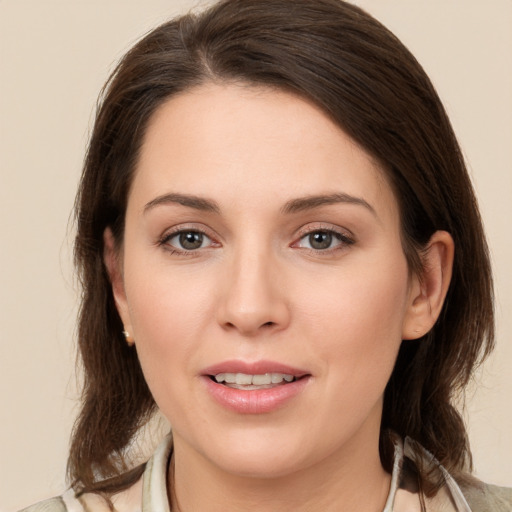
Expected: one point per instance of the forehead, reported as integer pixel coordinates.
(241, 142)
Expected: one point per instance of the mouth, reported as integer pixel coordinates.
(254, 387)
(251, 382)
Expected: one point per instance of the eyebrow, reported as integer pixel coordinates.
(198, 203)
(293, 206)
(310, 202)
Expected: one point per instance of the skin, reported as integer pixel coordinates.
(257, 289)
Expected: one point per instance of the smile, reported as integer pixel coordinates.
(254, 388)
(250, 382)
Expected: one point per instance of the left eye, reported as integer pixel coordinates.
(322, 240)
(189, 240)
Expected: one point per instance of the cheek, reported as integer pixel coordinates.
(165, 299)
(356, 321)
(356, 327)
(167, 311)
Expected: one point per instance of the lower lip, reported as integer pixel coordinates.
(255, 401)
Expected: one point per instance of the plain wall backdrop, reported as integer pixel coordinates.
(54, 57)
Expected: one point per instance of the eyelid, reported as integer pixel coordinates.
(343, 234)
(170, 233)
(311, 227)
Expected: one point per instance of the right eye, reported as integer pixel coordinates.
(187, 240)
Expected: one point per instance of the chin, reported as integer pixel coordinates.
(261, 465)
(262, 453)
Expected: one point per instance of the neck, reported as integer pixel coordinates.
(350, 479)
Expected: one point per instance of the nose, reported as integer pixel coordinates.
(253, 297)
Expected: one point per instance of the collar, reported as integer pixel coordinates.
(404, 496)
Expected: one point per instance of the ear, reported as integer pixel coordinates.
(113, 263)
(428, 290)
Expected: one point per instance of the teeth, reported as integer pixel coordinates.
(276, 378)
(243, 379)
(260, 380)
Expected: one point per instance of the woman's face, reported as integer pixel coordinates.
(262, 241)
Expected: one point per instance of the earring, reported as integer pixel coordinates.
(129, 340)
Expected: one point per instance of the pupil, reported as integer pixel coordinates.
(191, 240)
(320, 240)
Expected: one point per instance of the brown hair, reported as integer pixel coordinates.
(346, 62)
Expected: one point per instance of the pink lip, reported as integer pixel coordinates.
(256, 401)
(254, 368)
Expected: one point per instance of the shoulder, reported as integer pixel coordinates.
(128, 500)
(483, 497)
(150, 489)
(461, 492)
(51, 505)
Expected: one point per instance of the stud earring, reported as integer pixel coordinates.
(129, 340)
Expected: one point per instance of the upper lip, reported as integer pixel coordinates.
(253, 368)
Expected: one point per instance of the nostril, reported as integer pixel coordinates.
(268, 324)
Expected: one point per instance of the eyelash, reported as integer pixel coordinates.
(343, 239)
(167, 237)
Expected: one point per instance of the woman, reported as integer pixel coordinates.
(281, 251)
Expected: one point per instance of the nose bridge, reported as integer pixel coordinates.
(253, 299)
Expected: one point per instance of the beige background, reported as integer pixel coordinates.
(55, 55)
